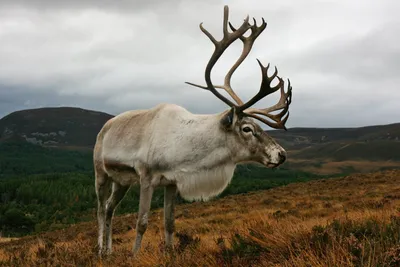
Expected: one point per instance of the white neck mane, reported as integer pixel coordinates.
(204, 184)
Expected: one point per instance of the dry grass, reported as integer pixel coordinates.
(327, 167)
(7, 239)
(350, 221)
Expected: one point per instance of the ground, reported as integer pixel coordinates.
(347, 221)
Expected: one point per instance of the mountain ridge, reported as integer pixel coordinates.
(53, 126)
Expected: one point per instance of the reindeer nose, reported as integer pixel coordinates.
(282, 157)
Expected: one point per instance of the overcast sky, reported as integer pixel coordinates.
(343, 57)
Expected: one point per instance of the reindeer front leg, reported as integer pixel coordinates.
(169, 218)
(146, 193)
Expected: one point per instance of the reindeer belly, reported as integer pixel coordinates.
(201, 184)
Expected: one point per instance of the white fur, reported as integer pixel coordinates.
(187, 143)
(202, 185)
(274, 152)
(192, 147)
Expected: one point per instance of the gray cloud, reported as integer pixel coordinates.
(123, 6)
(341, 56)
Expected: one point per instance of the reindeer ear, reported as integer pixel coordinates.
(227, 120)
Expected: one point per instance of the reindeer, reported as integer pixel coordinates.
(193, 154)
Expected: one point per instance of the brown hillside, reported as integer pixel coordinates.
(349, 221)
(303, 137)
(337, 150)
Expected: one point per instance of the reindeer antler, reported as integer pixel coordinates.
(243, 109)
(220, 47)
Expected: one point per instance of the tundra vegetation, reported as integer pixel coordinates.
(343, 221)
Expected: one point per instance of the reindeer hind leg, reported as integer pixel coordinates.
(169, 219)
(118, 193)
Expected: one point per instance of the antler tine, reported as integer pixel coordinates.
(283, 103)
(208, 34)
(247, 45)
(220, 47)
(225, 23)
(265, 88)
(276, 125)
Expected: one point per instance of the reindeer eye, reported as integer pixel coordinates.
(247, 129)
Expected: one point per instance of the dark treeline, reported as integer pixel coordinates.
(25, 159)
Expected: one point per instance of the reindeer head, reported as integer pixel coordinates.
(249, 142)
(245, 136)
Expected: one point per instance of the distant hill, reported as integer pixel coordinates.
(297, 138)
(57, 127)
(381, 142)
(335, 150)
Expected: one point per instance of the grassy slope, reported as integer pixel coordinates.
(342, 151)
(314, 135)
(329, 167)
(350, 221)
